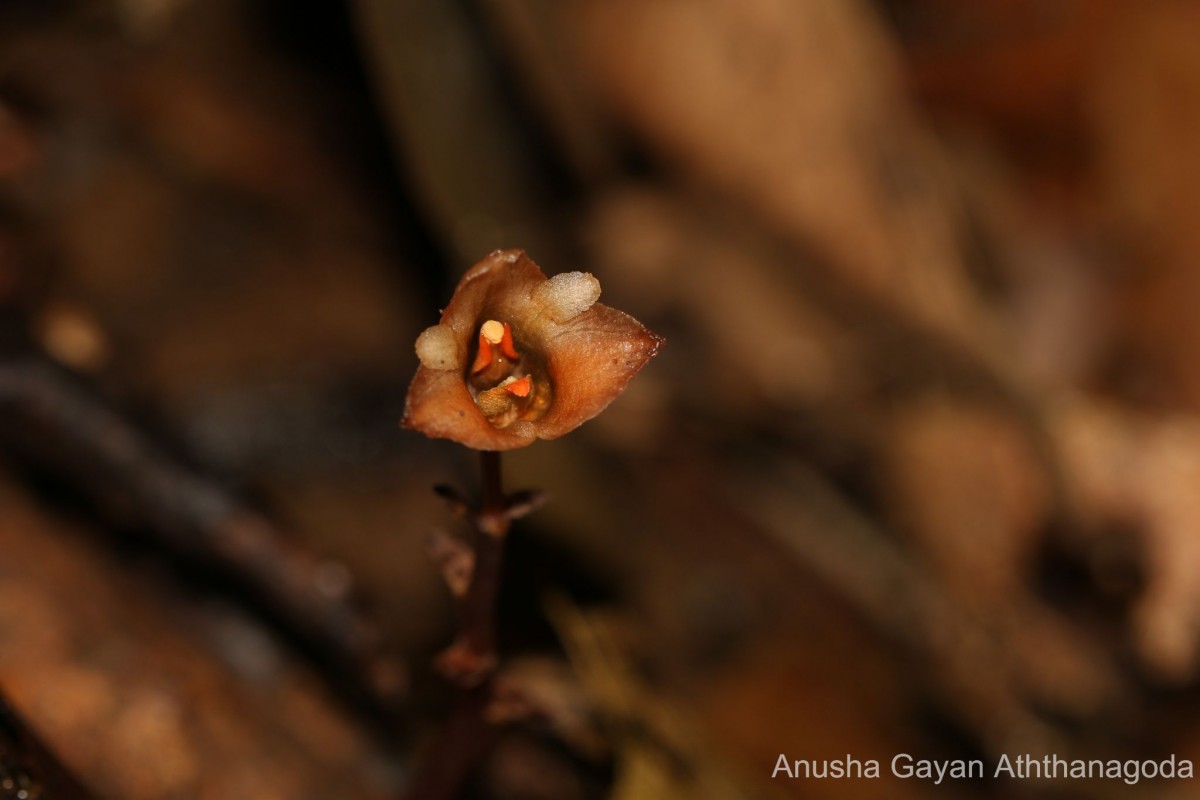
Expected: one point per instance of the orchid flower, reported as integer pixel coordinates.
(518, 356)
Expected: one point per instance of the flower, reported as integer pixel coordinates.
(518, 356)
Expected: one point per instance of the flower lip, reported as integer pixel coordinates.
(518, 356)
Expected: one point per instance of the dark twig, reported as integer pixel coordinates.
(58, 422)
(28, 771)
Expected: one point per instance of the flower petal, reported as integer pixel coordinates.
(440, 407)
(591, 359)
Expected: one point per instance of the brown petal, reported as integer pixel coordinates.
(591, 359)
(440, 407)
(498, 287)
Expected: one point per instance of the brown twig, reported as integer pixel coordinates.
(57, 421)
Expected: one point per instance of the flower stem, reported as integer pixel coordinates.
(493, 483)
(471, 661)
(454, 756)
(492, 522)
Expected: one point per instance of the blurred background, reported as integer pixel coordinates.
(918, 470)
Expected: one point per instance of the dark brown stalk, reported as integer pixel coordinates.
(492, 523)
(461, 745)
(471, 660)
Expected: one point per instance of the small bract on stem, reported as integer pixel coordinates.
(516, 357)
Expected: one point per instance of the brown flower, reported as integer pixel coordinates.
(518, 357)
